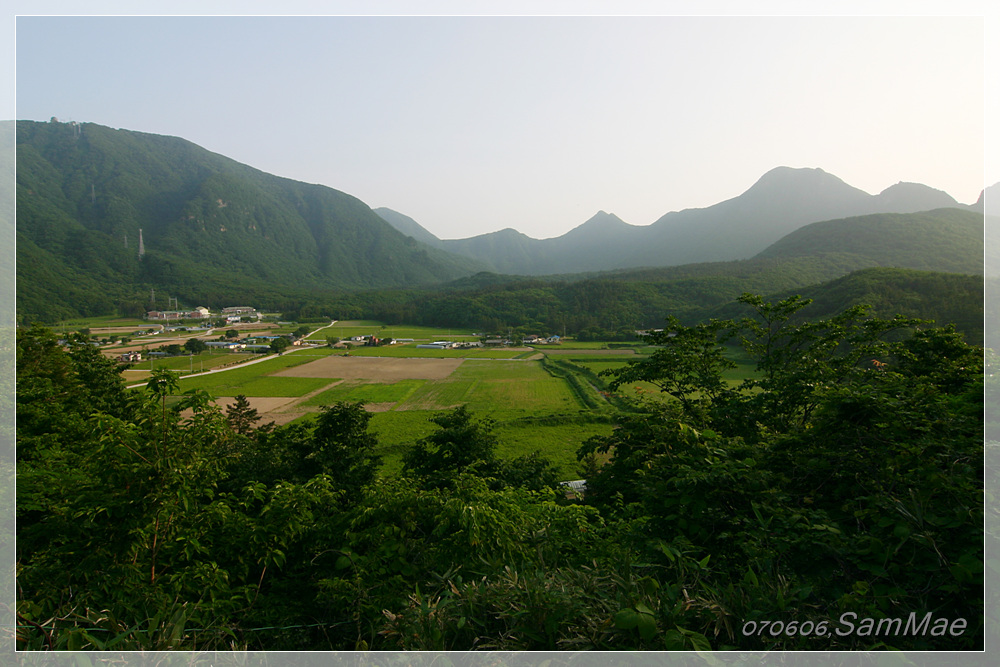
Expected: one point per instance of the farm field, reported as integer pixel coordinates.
(185, 364)
(597, 364)
(411, 350)
(557, 438)
(259, 379)
(100, 321)
(532, 408)
(349, 328)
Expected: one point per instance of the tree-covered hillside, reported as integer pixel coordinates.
(947, 239)
(211, 228)
(214, 232)
(609, 308)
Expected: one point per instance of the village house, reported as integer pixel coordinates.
(239, 312)
(199, 313)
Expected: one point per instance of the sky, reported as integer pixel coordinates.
(474, 123)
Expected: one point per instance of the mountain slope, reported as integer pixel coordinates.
(781, 201)
(944, 298)
(85, 191)
(408, 226)
(948, 240)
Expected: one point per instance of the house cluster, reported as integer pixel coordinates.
(367, 341)
(448, 345)
(130, 357)
(231, 314)
(226, 345)
(199, 313)
(237, 313)
(538, 340)
(250, 343)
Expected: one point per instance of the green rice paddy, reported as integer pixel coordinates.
(550, 408)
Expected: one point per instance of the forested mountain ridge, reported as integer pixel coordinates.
(886, 248)
(781, 201)
(214, 230)
(210, 226)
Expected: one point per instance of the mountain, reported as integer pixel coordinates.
(408, 226)
(911, 198)
(781, 201)
(583, 248)
(213, 231)
(7, 264)
(945, 298)
(948, 240)
(210, 228)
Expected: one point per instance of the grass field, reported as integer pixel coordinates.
(255, 379)
(349, 328)
(745, 368)
(557, 440)
(366, 392)
(535, 405)
(411, 350)
(102, 321)
(493, 388)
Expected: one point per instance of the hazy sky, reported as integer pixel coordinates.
(470, 124)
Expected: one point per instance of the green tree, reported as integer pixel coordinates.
(848, 468)
(241, 417)
(461, 445)
(343, 447)
(195, 345)
(687, 365)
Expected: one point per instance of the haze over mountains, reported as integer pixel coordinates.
(214, 231)
(781, 201)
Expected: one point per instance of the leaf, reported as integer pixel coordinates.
(75, 641)
(626, 619)
(647, 626)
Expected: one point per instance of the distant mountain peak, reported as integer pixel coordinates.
(795, 177)
(599, 229)
(904, 197)
(603, 218)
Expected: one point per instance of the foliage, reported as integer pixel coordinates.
(461, 445)
(241, 417)
(822, 484)
(849, 467)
